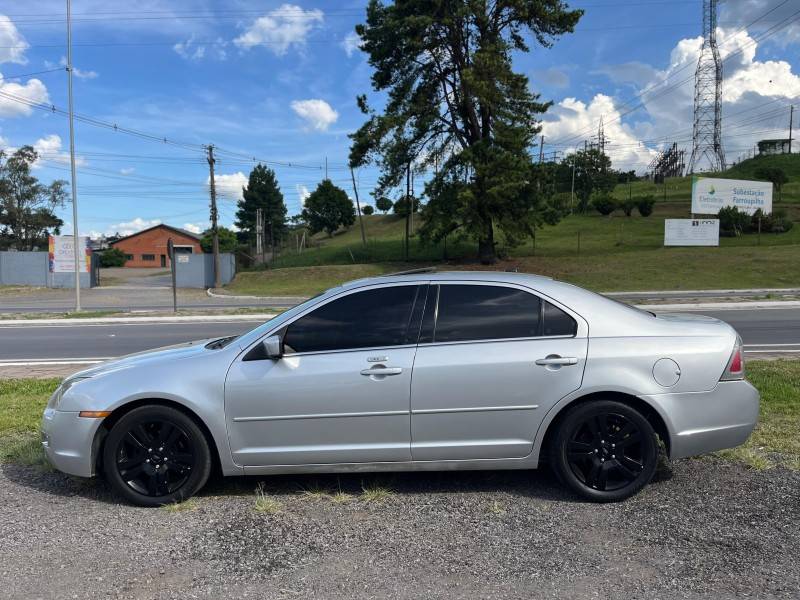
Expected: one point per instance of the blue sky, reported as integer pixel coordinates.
(278, 80)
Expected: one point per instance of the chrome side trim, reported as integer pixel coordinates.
(385, 413)
(433, 411)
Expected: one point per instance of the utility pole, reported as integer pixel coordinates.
(541, 150)
(214, 215)
(75, 239)
(408, 204)
(358, 206)
(791, 122)
(326, 167)
(259, 234)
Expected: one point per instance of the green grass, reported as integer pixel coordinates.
(186, 506)
(21, 404)
(265, 503)
(776, 439)
(306, 281)
(374, 492)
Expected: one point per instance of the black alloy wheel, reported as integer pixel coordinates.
(156, 455)
(605, 451)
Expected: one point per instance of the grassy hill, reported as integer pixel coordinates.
(602, 253)
(679, 189)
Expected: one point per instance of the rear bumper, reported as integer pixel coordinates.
(701, 422)
(67, 441)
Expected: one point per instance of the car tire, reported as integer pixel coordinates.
(604, 450)
(156, 455)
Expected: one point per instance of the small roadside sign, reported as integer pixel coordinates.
(691, 232)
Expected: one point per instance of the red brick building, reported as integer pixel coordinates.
(148, 248)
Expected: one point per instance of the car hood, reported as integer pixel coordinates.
(174, 352)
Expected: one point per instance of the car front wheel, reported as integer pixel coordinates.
(604, 450)
(156, 455)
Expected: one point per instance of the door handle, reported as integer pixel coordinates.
(555, 360)
(382, 371)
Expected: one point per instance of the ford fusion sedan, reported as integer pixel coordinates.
(414, 372)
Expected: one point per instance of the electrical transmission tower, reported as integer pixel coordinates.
(707, 135)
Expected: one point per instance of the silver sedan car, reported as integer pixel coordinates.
(414, 372)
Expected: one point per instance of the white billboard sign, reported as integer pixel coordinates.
(709, 195)
(62, 254)
(691, 232)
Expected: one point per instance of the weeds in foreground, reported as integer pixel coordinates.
(24, 449)
(186, 506)
(752, 457)
(375, 493)
(315, 491)
(496, 508)
(266, 503)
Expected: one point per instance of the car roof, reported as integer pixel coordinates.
(424, 275)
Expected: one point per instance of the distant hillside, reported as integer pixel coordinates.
(679, 189)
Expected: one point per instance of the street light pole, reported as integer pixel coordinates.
(72, 163)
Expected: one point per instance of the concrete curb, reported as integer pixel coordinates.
(280, 300)
(720, 306)
(709, 293)
(136, 320)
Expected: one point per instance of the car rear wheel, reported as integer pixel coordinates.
(156, 455)
(605, 451)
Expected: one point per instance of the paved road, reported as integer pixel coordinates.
(774, 330)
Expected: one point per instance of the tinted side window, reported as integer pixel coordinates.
(478, 312)
(361, 320)
(557, 322)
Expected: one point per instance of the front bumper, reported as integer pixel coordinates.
(68, 440)
(701, 422)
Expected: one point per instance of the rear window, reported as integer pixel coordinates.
(557, 322)
(483, 312)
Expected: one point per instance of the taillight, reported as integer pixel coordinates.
(735, 368)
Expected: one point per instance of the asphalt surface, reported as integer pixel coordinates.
(765, 330)
(705, 528)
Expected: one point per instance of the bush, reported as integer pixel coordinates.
(627, 207)
(383, 204)
(776, 222)
(733, 222)
(604, 204)
(113, 257)
(401, 206)
(367, 210)
(645, 205)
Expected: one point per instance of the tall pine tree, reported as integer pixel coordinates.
(262, 192)
(455, 105)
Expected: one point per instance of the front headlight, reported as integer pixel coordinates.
(55, 399)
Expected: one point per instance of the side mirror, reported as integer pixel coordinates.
(273, 347)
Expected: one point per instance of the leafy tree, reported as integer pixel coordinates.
(27, 207)
(262, 192)
(645, 204)
(605, 204)
(401, 206)
(367, 209)
(328, 208)
(593, 174)
(227, 240)
(456, 107)
(733, 222)
(774, 174)
(113, 257)
(383, 204)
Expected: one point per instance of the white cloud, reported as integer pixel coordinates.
(12, 44)
(79, 73)
(131, 227)
(33, 91)
(191, 50)
(193, 227)
(751, 89)
(351, 43)
(571, 117)
(302, 193)
(230, 185)
(318, 114)
(127, 170)
(49, 149)
(280, 29)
